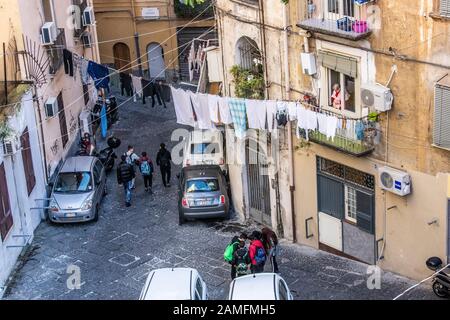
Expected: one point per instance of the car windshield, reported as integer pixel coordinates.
(204, 148)
(73, 182)
(202, 185)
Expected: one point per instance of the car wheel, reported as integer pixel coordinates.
(439, 290)
(96, 214)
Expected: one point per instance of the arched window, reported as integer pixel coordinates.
(248, 55)
(156, 63)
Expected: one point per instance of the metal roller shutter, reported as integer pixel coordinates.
(441, 130)
(343, 64)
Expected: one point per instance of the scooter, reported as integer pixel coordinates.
(107, 157)
(441, 281)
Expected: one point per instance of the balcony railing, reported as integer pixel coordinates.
(342, 18)
(356, 137)
(55, 52)
(186, 11)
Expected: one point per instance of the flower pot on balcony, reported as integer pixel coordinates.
(345, 24)
(360, 26)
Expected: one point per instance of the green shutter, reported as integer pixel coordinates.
(331, 197)
(441, 129)
(336, 62)
(365, 212)
(445, 8)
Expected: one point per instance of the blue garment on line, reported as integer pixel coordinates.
(104, 121)
(359, 130)
(238, 109)
(100, 74)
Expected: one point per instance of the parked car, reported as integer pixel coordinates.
(78, 190)
(260, 286)
(174, 284)
(204, 147)
(202, 193)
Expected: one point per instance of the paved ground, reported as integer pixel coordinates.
(116, 253)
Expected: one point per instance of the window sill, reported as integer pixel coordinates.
(437, 16)
(247, 3)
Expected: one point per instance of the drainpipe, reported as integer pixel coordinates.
(136, 38)
(287, 80)
(263, 45)
(41, 136)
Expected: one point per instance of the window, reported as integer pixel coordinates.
(350, 204)
(204, 148)
(28, 161)
(62, 120)
(6, 219)
(199, 289)
(336, 9)
(98, 168)
(73, 182)
(283, 291)
(444, 8)
(48, 10)
(441, 129)
(202, 185)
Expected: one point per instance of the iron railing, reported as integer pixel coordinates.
(343, 18)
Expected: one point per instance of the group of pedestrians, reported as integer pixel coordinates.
(126, 170)
(263, 246)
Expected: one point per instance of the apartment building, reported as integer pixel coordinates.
(40, 112)
(377, 190)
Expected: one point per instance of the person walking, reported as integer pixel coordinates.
(163, 159)
(231, 249)
(146, 168)
(257, 252)
(125, 174)
(270, 242)
(132, 159)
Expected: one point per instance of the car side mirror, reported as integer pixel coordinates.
(51, 184)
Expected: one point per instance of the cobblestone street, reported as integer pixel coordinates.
(116, 253)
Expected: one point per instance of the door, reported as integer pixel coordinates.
(122, 57)
(156, 64)
(258, 181)
(62, 120)
(99, 181)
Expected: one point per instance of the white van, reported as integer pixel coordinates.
(204, 147)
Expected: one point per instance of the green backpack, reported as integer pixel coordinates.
(229, 251)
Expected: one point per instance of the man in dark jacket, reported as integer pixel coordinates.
(270, 242)
(163, 159)
(125, 174)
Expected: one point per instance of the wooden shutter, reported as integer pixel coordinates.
(445, 8)
(86, 94)
(62, 120)
(331, 197)
(28, 161)
(441, 130)
(365, 213)
(339, 63)
(6, 219)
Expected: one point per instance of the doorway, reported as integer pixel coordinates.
(156, 63)
(122, 57)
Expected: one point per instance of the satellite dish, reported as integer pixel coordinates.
(367, 97)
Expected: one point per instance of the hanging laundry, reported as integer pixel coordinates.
(126, 84)
(332, 123)
(68, 62)
(271, 108)
(99, 74)
(200, 104)
(104, 121)
(183, 107)
(292, 110)
(359, 130)
(311, 120)
(301, 117)
(191, 61)
(152, 90)
(84, 71)
(213, 105)
(224, 111)
(76, 64)
(137, 85)
(256, 114)
(238, 111)
(322, 121)
(282, 113)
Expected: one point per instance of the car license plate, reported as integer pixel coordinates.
(71, 215)
(201, 202)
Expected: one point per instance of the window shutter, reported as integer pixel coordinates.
(6, 219)
(441, 130)
(331, 197)
(336, 62)
(365, 213)
(28, 161)
(445, 8)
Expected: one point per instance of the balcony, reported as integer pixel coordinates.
(55, 52)
(184, 11)
(356, 137)
(346, 19)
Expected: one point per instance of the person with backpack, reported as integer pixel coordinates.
(163, 159)
(231, 249)
(146, 168)
(241, 260)
(257, 253)
(132, 159)
(125, 174)
(270, 242)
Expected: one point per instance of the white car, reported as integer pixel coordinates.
(174, 284)
(260, 286)
(204, 147)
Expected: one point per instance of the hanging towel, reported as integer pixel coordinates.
(191, 61)
(292, 110)
(332, 123)
(271, 108)
(256, 114)
(311, 120)
(137, 85)
(238, 111)
(68, 62)
(103, 121)
(213, 105)
(224, 111)
(200, 104)
(84, 71)
(301, 118)
(100, 74)
(359, 130)
(183, 107)
(322, 119)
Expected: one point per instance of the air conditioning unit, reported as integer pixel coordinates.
(86, 38)
(88, 16)
(49, 33)
(395, 181)
(376, 96)
(10, 147)
(51, 107)
(308, 63)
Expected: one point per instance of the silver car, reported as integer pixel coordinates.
(78, 191)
